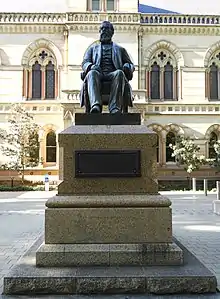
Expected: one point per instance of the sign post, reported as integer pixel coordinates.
(46, 183)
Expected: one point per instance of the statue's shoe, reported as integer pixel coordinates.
(115, 111)
(95, 109)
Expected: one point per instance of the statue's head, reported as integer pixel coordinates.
(106, 32)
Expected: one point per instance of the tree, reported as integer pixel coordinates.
(20, 141)
(186, 154)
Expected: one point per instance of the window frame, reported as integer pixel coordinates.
(163, 57)
(102, 6)
(43, 61)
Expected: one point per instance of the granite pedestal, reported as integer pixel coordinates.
(108, 230)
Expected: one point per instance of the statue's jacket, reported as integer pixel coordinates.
(120, 57)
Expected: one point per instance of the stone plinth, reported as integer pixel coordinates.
(27, 279)
(127, 137)
(108, 230)
(108, 219)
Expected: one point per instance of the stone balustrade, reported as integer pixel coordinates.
(123, 18)
(73, 95)
(179, 19)
(99, 17)
(32, 18)
(177, 108)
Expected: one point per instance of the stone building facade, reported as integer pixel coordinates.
(176, 83)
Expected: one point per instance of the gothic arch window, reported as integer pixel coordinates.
(213, 77)
(155, 81)
(212, 140)
(36, 80)
(50, 81)
(51, 147)
(40, 76)
(162, 76)
(170, 139)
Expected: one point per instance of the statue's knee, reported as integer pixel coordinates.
(92, 74)
(120, 73)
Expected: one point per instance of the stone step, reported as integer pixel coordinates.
(27, 279)
(64, 255)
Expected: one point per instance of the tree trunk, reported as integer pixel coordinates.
(22, 175)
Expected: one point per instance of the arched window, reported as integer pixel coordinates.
(155, 81)
(41, 76)
(163, 76)
(213, 81)
(170, 139)
(36, 80)
(213, 77)
(168, 81)
(212, 140)
(51, 147)
(50, 81)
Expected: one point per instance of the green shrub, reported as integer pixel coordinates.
(25, 188)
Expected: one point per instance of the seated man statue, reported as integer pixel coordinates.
(107, 61)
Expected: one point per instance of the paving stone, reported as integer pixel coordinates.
(192, 215)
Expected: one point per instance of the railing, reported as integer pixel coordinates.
(128, 18)
(99, 17)
(73, 96)
(182, 108)
(32, 18)
(179, 19)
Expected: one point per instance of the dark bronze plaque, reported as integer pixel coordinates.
(107, 163)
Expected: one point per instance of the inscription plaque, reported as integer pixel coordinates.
(107, 163)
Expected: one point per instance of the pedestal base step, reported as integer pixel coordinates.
(27, 279)
(67, 255)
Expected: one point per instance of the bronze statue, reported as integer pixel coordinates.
(107, 68)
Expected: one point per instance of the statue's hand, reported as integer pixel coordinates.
(96, 68)
(127, 71)
(126, 66)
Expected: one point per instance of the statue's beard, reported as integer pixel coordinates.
(105, 38)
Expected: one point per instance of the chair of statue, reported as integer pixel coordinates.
(105, 92)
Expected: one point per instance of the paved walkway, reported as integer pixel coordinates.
(194, 225)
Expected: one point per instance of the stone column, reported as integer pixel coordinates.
(57, 149)
(103, 5)
(208, 84)
(175, 84)
(162, 83)
(25, 83)
(149, 85)
(30, 83)
(180, 79)
(163, 148)
(56, 84)
(66, 49)
(140, 60)
(117, 5)
(43, 83)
